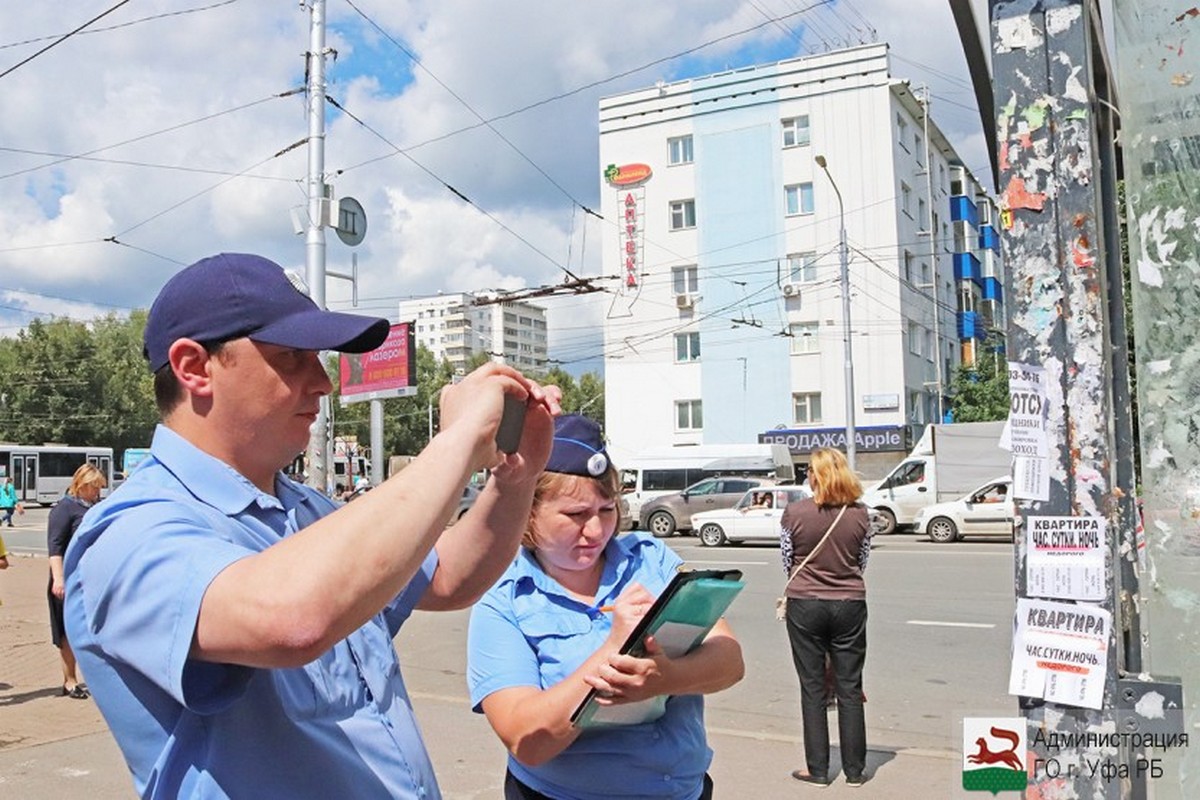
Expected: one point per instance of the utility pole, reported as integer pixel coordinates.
(314, 252)
(933, 262)
(1058, 210)
(847, 348)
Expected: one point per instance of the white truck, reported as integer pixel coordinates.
(947, 462)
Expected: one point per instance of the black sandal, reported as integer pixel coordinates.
(77, 692)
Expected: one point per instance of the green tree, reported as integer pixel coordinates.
(127, 393)
(77, 383)
(979, 393)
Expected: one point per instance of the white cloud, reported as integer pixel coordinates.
(230, 191)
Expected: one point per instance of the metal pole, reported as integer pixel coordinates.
(318, 444)
(933, 265)
(844, 258)
(376, 442)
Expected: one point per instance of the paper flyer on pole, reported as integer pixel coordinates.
(1065, 557)
(1060, 652)
(1025, 432)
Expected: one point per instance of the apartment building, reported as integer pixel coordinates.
(728, 326)
(456, 327)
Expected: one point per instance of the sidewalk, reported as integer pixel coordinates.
(32, 708)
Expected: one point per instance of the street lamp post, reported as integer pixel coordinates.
(844, 258)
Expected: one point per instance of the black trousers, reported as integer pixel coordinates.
(515, 790)
(837, 628)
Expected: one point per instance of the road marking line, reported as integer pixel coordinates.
(758, 736)
(937, 624)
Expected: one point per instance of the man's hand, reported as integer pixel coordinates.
(478, 401)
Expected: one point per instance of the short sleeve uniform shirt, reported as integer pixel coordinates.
(136, 571)
(528, 631)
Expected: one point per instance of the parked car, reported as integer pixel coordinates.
(746, 521)
(470, 494)
(986, 511)
(666, 515)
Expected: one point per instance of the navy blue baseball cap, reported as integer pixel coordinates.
(578, 447)
(235, 295)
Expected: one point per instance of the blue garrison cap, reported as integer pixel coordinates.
(578, 447)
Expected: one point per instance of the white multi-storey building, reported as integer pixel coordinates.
(729, 326)
(456, 329)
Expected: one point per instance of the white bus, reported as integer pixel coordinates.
(661, 471)
(42, 473)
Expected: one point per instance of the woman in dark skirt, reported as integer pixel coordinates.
(65, 516)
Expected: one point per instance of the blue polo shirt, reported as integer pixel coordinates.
(528, 631)
(136, 571)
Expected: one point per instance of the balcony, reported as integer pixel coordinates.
(989, 239)
(969, 326)
(966, 267)
(963, 210)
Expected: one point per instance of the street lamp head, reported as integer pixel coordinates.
(820, 161)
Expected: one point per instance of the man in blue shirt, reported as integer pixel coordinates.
(235, 627)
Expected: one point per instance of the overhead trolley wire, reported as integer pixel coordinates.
(61, 39)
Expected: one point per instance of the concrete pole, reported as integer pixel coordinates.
(1053, 217)
(314, 253)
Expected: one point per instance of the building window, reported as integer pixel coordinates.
(687, 347)
(799, 198)
(806, 408)
(916, 407)
(921, 210)
(688, 415)
(917, 147)
(683, 214)
(802, 267)
(679, 149)
(796, 131)
(902, 131)
(804, 338)
(685, 280)
(929, 348)
(916, 339)
(906, 198)
(908, 262)
(926, 281)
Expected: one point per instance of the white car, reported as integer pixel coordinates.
(747, 522)
(470, 494)
(986, 511)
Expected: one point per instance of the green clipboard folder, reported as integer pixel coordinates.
(679, 619)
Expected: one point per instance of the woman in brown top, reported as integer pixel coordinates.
(827, 611)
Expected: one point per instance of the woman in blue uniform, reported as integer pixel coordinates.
(544, 636)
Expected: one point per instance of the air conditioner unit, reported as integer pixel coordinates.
(684, 301)
(791, 290)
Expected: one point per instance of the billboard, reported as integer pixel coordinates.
(389, 370)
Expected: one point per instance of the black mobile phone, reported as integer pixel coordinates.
(508, 435)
